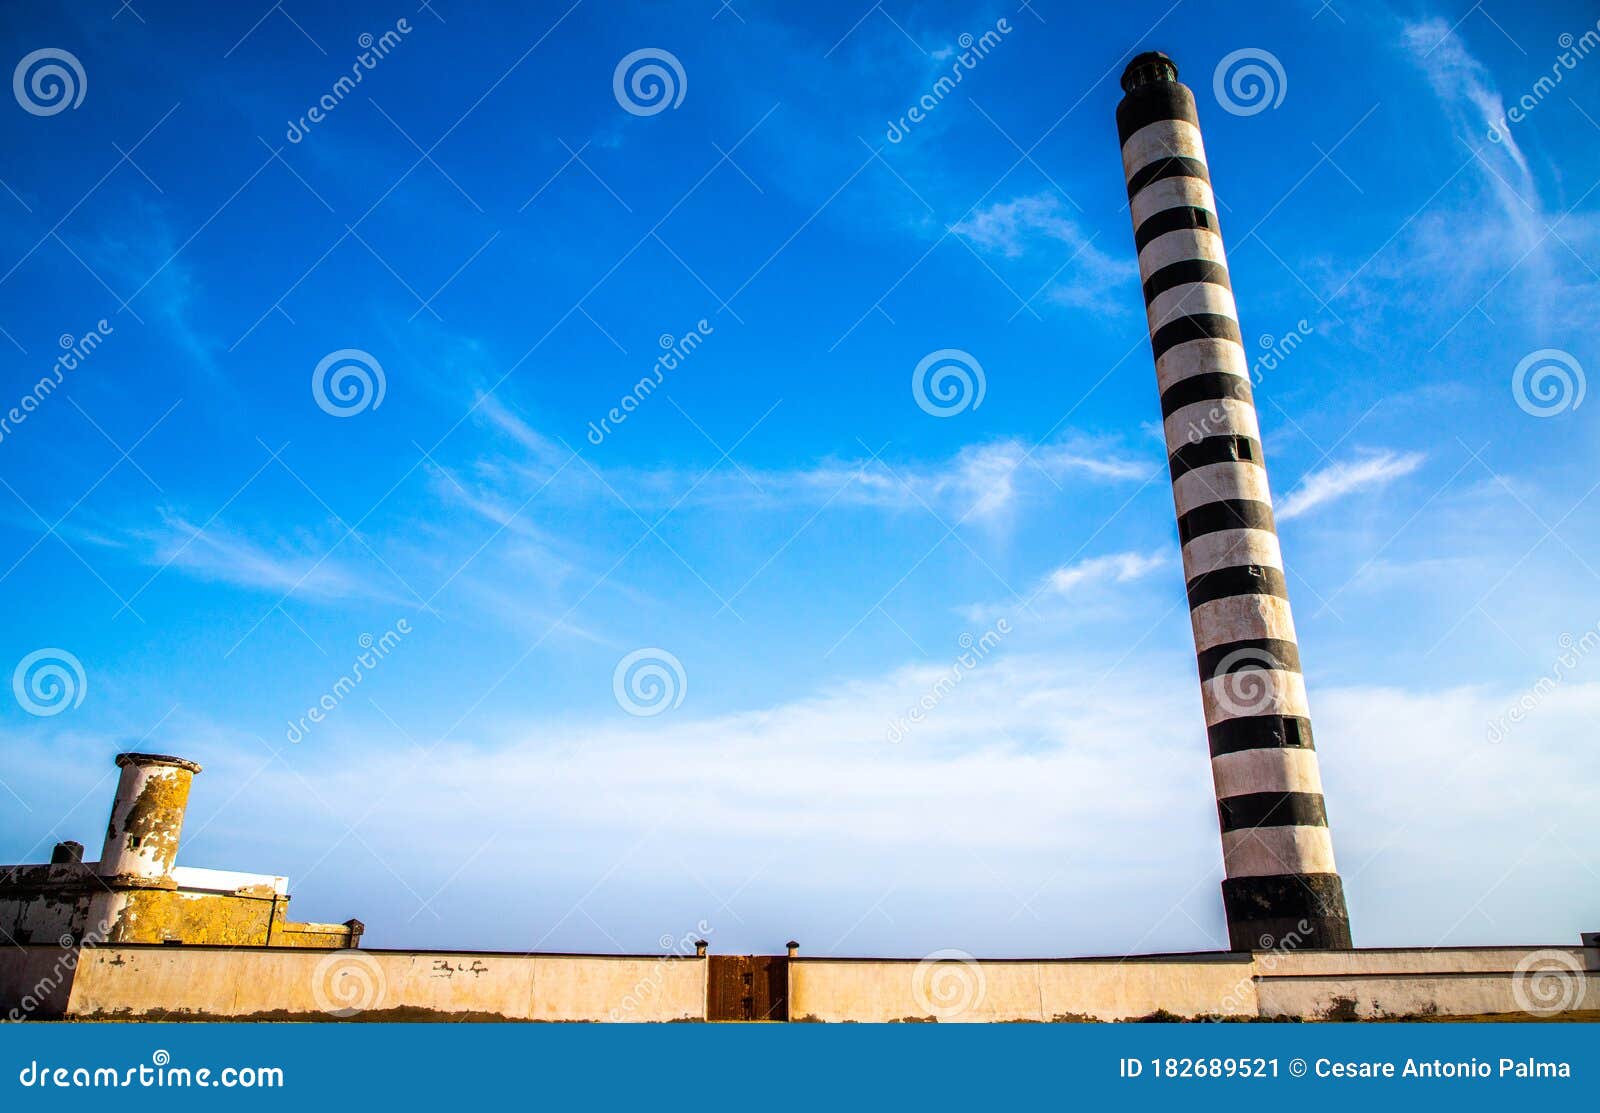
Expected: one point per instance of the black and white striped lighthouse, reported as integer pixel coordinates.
(1281, 886)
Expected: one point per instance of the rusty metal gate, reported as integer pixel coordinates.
(748, 987)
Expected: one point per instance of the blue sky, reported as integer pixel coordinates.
(487, 222)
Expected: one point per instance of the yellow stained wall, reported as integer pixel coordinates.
(158, 915)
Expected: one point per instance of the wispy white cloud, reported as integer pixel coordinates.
(1499, 234)
(284, 565)
(980, 482)
(1466, 88)
(1078, 581)
(1115, 568)
(1088, 277)
(1346, 477)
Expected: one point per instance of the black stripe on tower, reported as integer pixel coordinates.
(1221, 449)
(1175, 167)
(1208, 386)
(1241, 579)
(1174, 220)
(1212, 517)
(1259, 732)
(1247, 654)
(1184, 272)
(1298, 911)
(1197, 326)
(1155, 100)
(1272, 809)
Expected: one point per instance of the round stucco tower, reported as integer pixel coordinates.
(1281, 886)
(146, 817)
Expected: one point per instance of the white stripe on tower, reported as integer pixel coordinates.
(1281, 886)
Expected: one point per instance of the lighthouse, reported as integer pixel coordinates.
(1281, 887)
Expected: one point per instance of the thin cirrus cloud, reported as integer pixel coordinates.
(980, 482)
(1345, 478)
(1087, 278)
(1076, 578)
(1510, 235)
(222, 555)
(1115, 568)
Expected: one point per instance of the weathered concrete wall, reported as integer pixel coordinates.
(42, 916)
(1371, 985)
(1313, 985)
(286, 983)
(272, 983)
(959, 990)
